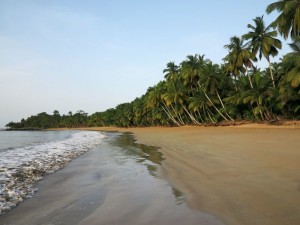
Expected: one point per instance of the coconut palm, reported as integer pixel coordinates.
(239, 58)
(190, 70)
(199, 104)
(172, 97)
(258, 97)
(295, 46)
(288, 21)
(262, 41)
(171, 71)
(291, 64)
(177, 95)
(211, 81)
(154, 100)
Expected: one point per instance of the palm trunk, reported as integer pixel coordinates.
(266, 116)
(205, 114)
(271, 73)
(235, 83)
(213, 104)
(224, 107)
(179, 118)
(199, 115)
(170, 116)
(165, 108)
(261, 114)
(190, 115)
(209, 115)
(247, 74)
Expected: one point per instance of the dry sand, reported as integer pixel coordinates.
(243, 175)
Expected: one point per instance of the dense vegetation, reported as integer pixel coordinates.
(197, 91)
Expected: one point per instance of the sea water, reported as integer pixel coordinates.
(26, 156)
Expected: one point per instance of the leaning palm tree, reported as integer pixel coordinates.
(211, 81)
(259, 97)
(199, 104)
(263, 41)
(239, 58)
(154, 100)
(176, 95)
(288, 21)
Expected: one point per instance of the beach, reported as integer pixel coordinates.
(242, 175)
(227, 175)
(117, 182)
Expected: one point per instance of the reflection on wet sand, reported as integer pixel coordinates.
(116, 183)
(142, 152)
(146, 155)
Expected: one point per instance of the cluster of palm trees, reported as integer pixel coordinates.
(198, 91)
(44, 121)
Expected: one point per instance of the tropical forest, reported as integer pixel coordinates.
(199, 92)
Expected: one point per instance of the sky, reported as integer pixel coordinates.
(91, 55)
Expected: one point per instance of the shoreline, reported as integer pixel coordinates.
(245, 174)
(116, 182)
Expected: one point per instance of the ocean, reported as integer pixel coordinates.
(26, 156)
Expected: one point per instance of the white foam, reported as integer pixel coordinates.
(20, 168)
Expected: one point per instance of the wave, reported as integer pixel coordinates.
(21, 168)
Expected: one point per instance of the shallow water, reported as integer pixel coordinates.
(17, 139)
(25, 157)
(115, 183)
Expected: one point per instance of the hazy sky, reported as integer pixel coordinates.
(69, 55)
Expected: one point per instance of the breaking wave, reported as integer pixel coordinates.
(21, 168)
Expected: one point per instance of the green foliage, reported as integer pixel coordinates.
(288, 21)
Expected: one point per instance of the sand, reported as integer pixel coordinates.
(113, 183)
(243, 175)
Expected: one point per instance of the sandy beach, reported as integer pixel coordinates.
(242, 175)
(115, 183)
(228, 175)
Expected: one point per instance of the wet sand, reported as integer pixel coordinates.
(115, 183)
(242, 175)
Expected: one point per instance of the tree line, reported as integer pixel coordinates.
(44, 121)
(198, 91)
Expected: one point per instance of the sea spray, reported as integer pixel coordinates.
(21, 168)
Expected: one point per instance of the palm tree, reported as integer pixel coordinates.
(199, 104)
(138, 111)
(295, 46)
(263, 41)
(239, 58)
(154, 100)
(177, 94)
(259, 97)
(173, 96)
(291, 64)
(288, 21)
(190, 70)
(171, 71)
(210, 81)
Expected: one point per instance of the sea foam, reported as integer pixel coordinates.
(21, 168)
